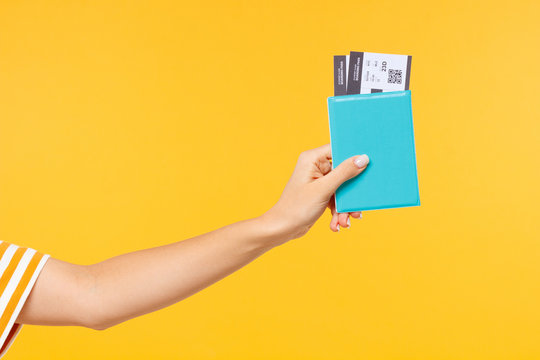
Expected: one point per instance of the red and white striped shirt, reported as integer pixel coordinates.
(19, 269)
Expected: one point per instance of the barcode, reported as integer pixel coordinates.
(394, 76)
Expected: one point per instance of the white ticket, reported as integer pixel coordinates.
(384, 72)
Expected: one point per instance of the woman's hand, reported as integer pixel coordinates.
(95, 295)
(310, 190)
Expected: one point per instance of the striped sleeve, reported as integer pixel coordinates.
(19, 269)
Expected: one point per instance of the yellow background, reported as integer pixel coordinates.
(126, 125)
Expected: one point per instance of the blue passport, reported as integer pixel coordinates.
(379, 125)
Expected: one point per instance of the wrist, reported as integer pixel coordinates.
(273, 230)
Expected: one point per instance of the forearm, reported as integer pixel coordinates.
(143, 281)
(120, 288)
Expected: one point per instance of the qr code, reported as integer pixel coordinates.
(394, 76)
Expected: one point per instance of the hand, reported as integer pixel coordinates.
(310, 190)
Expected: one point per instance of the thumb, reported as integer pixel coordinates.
(348, 169)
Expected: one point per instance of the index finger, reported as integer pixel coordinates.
(323, 152)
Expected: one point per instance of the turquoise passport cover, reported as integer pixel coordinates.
(381, 126)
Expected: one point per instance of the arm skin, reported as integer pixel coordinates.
(107, 293)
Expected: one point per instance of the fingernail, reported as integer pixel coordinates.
(338, 227)
(349, 222)
(361, 161)
(360, 214)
